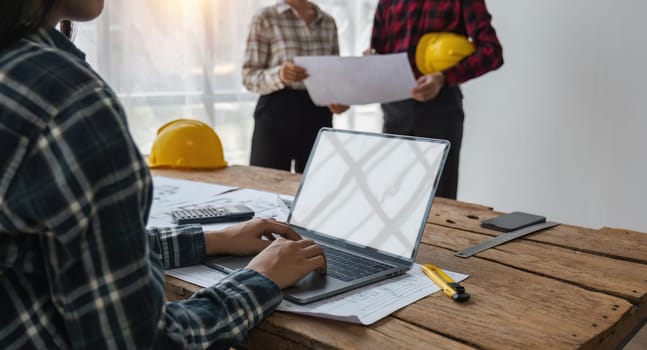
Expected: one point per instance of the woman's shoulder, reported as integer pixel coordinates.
(42, 85)
(327, 17)
(44, 76)
(269, 13)
(50, 63)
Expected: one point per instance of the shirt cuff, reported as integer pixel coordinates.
(257, 294)
(249, 274)
(180, 245)
(275, 79)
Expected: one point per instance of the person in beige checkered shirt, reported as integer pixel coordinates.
(286, 120)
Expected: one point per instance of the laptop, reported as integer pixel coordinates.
(364, 197)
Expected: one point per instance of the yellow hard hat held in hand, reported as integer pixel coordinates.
(186, 143)
(438, 51)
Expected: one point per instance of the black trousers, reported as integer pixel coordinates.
(286, 123)
(440, 118)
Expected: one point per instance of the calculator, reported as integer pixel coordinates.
(210, 215)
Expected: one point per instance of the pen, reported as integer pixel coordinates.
(450, 287)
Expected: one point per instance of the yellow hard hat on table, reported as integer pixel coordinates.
(438, 51)
(187, 143)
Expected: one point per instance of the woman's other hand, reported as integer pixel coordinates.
(337, 108)
(247, 238)
(291, 73)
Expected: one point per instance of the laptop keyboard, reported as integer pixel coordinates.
(348, 267)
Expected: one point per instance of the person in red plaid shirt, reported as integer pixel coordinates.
(435, 109)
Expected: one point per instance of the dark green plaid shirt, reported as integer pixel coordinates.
(78, 269)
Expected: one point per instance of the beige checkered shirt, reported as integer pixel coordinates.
(277, 34)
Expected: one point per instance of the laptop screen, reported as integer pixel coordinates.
(371, 189)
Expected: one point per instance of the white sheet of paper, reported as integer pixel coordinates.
(365, 305)
(357, 80)
(170, 194)
(264, 204)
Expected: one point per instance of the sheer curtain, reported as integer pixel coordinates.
(171, 59)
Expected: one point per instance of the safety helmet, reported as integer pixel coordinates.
(438, 51)
(186, 143)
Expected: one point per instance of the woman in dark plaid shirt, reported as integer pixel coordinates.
(78, 269)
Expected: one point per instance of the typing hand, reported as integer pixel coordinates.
(247, 238)
(285, 262)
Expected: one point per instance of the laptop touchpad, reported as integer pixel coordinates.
(229, 263)
(313, 281)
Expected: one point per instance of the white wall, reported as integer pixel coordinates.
(560, 129)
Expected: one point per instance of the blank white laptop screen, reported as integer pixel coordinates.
(371, 190)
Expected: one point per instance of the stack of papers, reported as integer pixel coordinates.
(365, 305)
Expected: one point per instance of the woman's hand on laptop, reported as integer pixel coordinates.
(247, 238)
(285, 261)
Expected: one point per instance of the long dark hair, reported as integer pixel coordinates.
(18, 19)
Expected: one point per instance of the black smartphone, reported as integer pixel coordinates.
(512, 221)
(211, 215)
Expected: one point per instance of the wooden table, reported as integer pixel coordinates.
(564, 288)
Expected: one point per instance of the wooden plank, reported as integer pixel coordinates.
(260, 339)
(625, 329)
(176, 289)
(617, 277)
(513, 309)
(264, 179)
(615, 243)
(316, 333)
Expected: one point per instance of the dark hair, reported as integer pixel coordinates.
(19, 19)
(66, 28)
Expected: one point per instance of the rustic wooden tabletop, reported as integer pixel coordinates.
(566, 287)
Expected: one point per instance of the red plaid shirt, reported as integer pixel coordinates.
(399, 24)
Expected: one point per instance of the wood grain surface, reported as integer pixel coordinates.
(567, 287)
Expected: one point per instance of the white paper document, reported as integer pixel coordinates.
(357, 80)
(171, 194)
(365, 305)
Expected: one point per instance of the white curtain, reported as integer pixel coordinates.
(171, 59)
